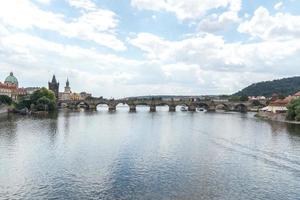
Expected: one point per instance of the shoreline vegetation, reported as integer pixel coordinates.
(275, 117)
(40, 102)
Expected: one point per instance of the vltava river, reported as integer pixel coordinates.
(162, 155)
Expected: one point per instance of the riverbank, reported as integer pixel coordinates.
(277, 117)
(3, 109)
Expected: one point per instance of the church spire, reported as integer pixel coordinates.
(54, 79)
(67, 88)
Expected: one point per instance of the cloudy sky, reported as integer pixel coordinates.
(140, 47)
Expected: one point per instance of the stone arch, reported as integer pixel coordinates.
(163, 106)
(124, 106)
(241, 108)
(63, 105)
(222, 106)
(82, 104)
(101, 104)
(178, 106)
(140, 106)
(203, 105)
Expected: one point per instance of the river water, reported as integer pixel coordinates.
(162, 155)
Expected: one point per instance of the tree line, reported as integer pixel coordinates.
(282, 87)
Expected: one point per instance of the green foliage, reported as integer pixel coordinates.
(5, 100)
(294, 110)
(244, 98)
(256, 103)
(234, 98)
(40, 100)
(43, 92)
(283, 87)
(24, 102)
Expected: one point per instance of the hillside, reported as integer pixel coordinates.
(284, 87)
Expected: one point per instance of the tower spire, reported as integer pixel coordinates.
(54, 79)
(67, 83)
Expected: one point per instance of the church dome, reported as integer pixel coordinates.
(11, 80)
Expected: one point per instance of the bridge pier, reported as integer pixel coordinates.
(211, 109)
(132, 108)
(172, 108)
(152, 108)
(92, 107)
(112, 108)
(192, 108)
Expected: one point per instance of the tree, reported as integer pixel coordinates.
(5, 100)
(41, 100)
(43, 92)
(234, 98)
(244, 98)
(256, 103)
(284, 87)
(294, 110)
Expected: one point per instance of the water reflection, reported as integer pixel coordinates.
(143, 155)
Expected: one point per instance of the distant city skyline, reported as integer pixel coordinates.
(142, 47)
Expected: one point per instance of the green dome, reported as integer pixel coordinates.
(11, 80)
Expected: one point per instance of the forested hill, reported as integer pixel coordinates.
(284, 87)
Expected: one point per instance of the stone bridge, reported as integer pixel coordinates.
(192, 104)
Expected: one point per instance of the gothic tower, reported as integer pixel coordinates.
(54, 86)
(67, 88)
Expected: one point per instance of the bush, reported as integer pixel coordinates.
(234, 98)
(43, 92)
(5, 100)
(244, 98)
(41, 100)
(294, 110)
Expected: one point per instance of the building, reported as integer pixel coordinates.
(85, 95)
(31, 90)
(280, 105)
(10, 88)
(66, 94)
(54, 86)
(258, 98)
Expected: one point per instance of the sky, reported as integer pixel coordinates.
(118, 48)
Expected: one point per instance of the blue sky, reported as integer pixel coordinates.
(140, 47)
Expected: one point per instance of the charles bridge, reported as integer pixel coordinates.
(210, 105)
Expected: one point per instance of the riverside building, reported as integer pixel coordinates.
(10, 87)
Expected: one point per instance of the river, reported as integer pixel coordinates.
(143, 155)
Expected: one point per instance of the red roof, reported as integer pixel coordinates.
(13, 89)
(6, 86)
(282, 102)
(297, 94)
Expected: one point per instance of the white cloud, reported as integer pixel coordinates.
(211, 53)
(210, 62)
(83, 4)
(278, 5)
(36, 59)
(86, 27)
(188, 9)
(281, 26)
(201, 63)
(214, 22)
(46, 2)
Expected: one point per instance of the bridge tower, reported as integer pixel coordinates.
(54, 86)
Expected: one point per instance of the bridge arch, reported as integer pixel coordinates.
(241, 108)
(123, 106)
(222, 106)
(203, 105)
(101, 106)
(82, 104)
